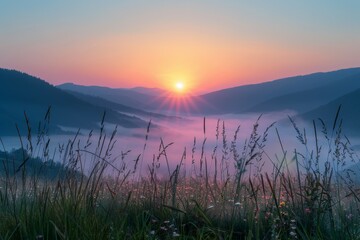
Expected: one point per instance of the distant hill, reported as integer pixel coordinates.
(136, 98)
(101, 102)
(20, 92)
(150, 91)
(303, 101)
(350, 112)
(122, 96)
(297, 93)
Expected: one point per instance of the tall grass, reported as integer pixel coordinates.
(225, 194)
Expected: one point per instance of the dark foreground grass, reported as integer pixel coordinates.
(309, 194)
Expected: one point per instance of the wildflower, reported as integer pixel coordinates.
(284, 213)
(293, 229)
(282, 204)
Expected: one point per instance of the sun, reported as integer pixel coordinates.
(179, 86)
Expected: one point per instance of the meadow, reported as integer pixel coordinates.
(310, 192)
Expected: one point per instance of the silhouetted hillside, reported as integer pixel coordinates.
(350, 112)
(118, 95)
(304, 101)
(150, 91)
(132, 98)
(20, 92)
(300, 93)
(254, 97)
(98, 101)
(12, 163)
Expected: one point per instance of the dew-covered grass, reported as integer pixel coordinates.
(310, 192)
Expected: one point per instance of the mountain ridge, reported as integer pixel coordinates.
(349, 112)
(303, 101)
(248, 96)
(275, 95)
(21, 92)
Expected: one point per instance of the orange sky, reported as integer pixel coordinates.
(208, 45)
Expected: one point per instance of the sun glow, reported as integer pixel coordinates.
(177, 99)
(179, 86)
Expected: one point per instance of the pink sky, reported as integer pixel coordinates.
(208, 45)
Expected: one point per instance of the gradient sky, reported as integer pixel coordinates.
(207, 44)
